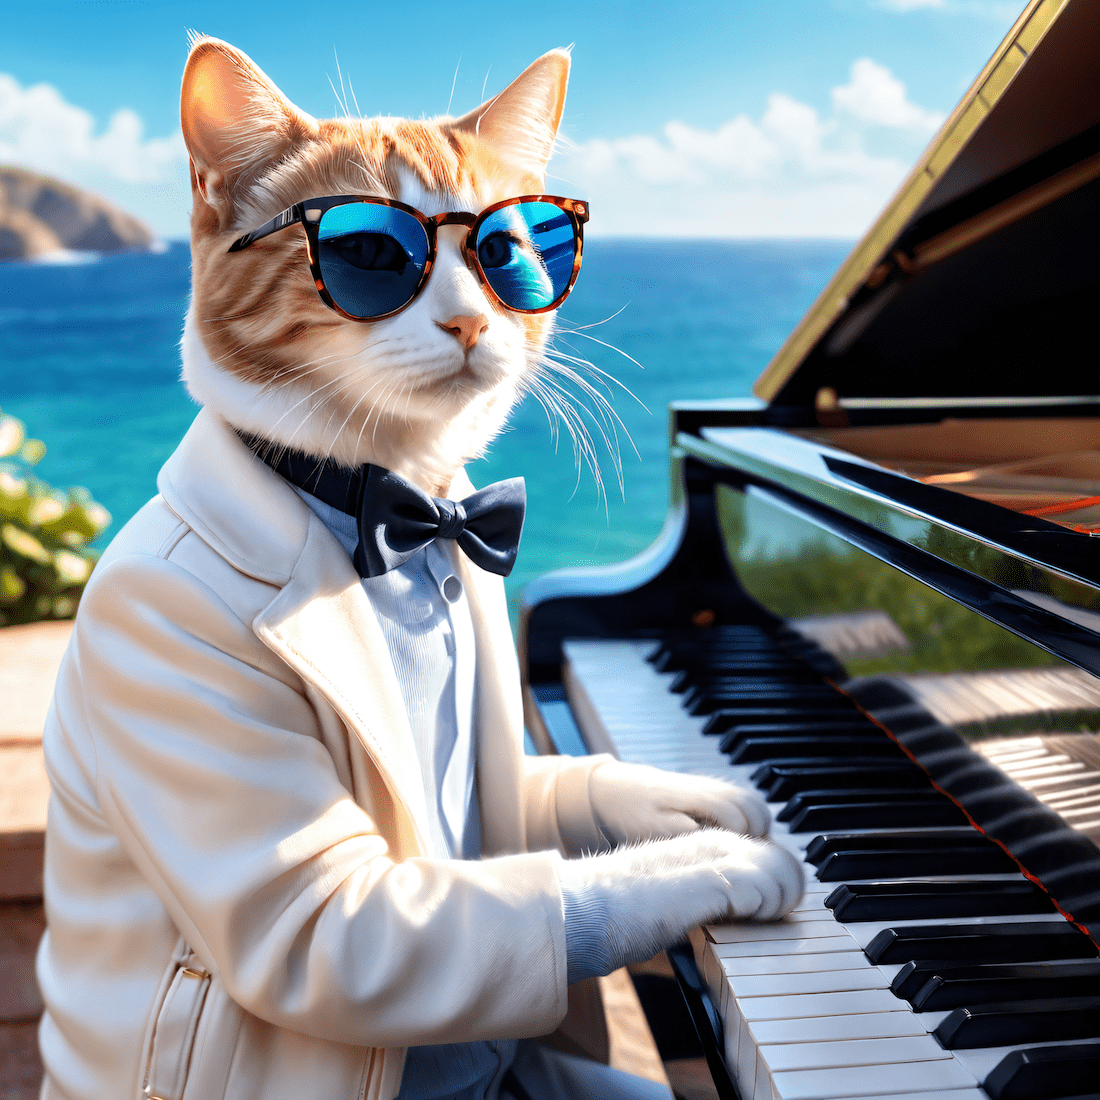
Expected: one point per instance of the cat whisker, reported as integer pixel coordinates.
(280, 378)
(354, 99)
(351, 412)
(604, 417)
(559, 321)
(562, 406)
(454, 81)
(341, 96)
(606, 380)
(610, 347)
(603, 420)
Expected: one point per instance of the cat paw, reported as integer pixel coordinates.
(765, 881)
(634, 802)
(650, 895)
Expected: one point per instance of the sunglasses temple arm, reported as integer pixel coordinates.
(280, 221)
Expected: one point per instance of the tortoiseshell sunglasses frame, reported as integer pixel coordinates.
(310, 212)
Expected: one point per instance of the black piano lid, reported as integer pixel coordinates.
(975, 291)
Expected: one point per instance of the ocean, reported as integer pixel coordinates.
(89, 362)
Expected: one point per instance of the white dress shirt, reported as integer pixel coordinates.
(425, 618)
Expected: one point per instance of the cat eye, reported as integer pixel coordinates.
(370, 258)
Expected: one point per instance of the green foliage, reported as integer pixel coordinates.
(945, 636)
(795, 570)
(44, 557)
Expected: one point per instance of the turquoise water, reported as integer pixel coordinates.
(89, 361)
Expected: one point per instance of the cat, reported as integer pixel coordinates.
(243, 890)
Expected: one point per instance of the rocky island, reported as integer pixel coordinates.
(40, 215)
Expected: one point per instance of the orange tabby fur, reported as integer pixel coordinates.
(405, 393)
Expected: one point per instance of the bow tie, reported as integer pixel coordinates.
(396, 519)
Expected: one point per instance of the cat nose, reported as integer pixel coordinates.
(465, 329)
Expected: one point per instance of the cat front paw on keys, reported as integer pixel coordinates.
(635, 802)
(650, 895)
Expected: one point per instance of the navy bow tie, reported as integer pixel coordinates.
(396, 519)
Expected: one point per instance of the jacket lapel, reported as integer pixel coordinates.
(320, 620)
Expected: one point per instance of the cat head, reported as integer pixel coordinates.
(420, 392)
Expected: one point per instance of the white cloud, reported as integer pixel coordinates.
(40, 129)
(789, 173)
(875, 95)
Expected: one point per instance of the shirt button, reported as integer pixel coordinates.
(452, 589)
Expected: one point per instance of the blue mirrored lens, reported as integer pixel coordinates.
(371, 257)
(526, 252)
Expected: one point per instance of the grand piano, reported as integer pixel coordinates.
(877, 599)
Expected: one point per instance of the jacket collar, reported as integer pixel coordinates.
(237, 505)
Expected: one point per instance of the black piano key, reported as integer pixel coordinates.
(892, 814)
(745, 672)
(915, 975)
(894, 842)
(672, 656)
(754, 750)
(746, 676)
(765, 774)
(1010, 1022)
(1047, 1073)
(735, 668)
(760, 695)
(825, 731)
(866, 901)
(832, 797)
(957, 987)
(913, 863)
(1008, 942)
(722, 720)
(886, 775)
(912, 978)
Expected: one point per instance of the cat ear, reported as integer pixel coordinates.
(235, 121)
(521, 122)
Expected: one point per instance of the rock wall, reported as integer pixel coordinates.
(39, 215)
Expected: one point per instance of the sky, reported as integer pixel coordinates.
(698, 118)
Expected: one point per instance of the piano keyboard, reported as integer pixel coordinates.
(1061, 770)
(1008, 1008)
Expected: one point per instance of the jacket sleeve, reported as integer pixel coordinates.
(209, 769)
(557, 804)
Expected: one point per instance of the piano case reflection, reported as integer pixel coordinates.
(877, 597)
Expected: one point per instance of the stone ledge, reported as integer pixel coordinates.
(29, 658)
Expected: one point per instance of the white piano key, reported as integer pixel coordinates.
(777, 930)
(865, 1025)
(813, 914)
(764, 1087)
(821, 981)
(793, 964)
(746, 1062)
(852, 1081)
(819, 945)
(811, 1005)
(853, 1052)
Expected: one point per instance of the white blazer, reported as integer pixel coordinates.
(237, 904)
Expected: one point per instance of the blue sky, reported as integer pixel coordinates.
(742, 118)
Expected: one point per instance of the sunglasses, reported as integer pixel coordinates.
(370, 258)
